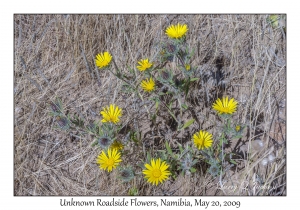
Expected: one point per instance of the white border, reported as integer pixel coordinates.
(155, 6)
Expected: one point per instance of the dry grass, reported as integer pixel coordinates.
(54, 57)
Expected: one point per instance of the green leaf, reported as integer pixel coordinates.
(134, 137)
(172, 115)
(193, 170)
(94, 143)
(133, 191)
(162, 155)
(187, 87)
(184, 106)
(180, 148)
(232, 161)
(192, 53)
(148, 157)
(187, 124)
(194, 162)
(237, 136)
(141, 165)
(77, 121)
(156, 104)
(130, 70)
(169, 149)
(170, 105)
(194, 79)
(153, 117)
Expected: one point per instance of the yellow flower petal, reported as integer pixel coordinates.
(103, 59)
(148, 85)
(156, 172)
(225, 106)
(176, 31)
(110, 162)
(144, 64)
(202, 139)
(111, 114)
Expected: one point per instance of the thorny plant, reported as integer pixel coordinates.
(158, 82)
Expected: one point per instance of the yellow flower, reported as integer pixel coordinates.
(224, 106)
(237, 128)
(109, 162)
(148, 84)
(187, 67)
(111, 114)
(177, 31)
(103, 59)
(144, 64)
(116, 145)
(156, 172)
(202, 139)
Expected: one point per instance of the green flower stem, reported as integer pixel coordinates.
(181, 61)
(228, 124)
(222, 149)
(163, 103)
(118, 71)
(117, 75)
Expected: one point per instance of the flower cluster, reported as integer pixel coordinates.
(158, 170)
(110, 157)
(107, 131)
